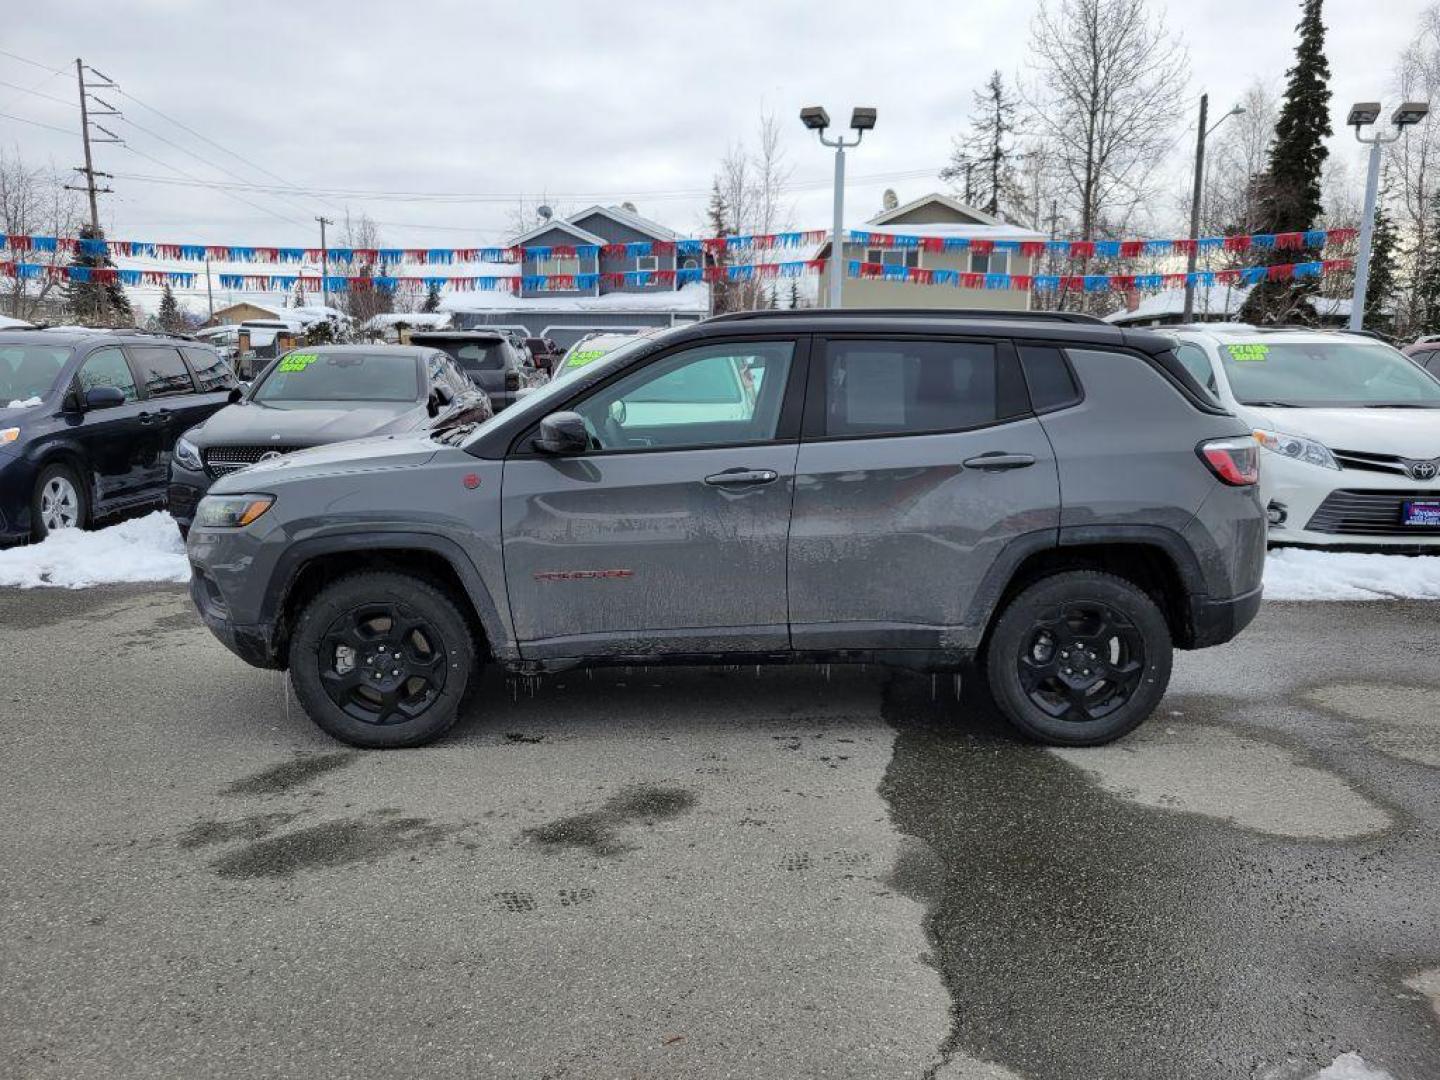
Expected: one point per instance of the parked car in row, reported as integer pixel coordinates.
(1426, 353)
(491, 359)
(590, 348)
(1052, 497)
(1351, 430)
(545, 352)
(315, 396)
(89, 419)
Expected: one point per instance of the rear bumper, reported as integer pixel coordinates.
(1214, 622)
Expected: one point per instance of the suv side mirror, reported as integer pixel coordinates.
(237, 393)
(562, 434)
(104, 397)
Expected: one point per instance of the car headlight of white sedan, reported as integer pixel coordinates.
(1297, 448)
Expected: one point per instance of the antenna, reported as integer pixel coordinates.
(544, 213)
(890, 200)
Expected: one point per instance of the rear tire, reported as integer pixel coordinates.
(59, 501)
(382, 660)
(1079, 659)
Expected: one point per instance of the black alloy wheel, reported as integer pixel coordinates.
(382, 663)
(1084, 661)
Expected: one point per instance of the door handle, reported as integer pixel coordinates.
(741, 477)
(145, 417)
(998, 461)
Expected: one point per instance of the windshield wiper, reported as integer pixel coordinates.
(1399, 405)
(1271, 404)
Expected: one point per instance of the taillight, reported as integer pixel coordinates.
(1233, 461)
(512, 380)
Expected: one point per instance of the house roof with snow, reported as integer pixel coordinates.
(584, 236)
(629, 218)
(687, 300)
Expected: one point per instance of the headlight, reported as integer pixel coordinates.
(231, 511)
(9, 435)
(1297, 449)
(188, 455)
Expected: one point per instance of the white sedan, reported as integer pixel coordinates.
(1352, 427)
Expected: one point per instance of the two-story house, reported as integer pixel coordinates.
(936, 215)
(605, 268)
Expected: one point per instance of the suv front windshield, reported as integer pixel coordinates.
(317, 376)
(1326, 374)
(27, 372)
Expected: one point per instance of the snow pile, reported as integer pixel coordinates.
(1300, 574)
(1351, 1066)
(28, 403)
(142, 549)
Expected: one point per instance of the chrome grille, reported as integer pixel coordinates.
(221, 460)
(1358, 459)
(1370, 513)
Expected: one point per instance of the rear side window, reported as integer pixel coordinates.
(1052, 385)
(1197, 364)
(211, 372)
(480, 355)
(161, 370)
(908, 387)
(107, 367)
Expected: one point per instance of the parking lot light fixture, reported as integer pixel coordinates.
(818, 120)
(1362, 115)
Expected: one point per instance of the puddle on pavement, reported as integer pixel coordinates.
(255, 827)
(597, 831)
(1212, 771)
(332, 844)
(289, 775)
(1400, 720)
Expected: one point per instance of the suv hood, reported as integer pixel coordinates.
(355, 456)
(1407, 433)
(325, 422)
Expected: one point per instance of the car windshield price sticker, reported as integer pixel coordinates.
(586, 356)
(1248, 353)
(298, 361)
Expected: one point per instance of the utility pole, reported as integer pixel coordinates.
(1201, 132)
(209, 290)
(324, 263)
(88, 101)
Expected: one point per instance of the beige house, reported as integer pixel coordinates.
(942, 216)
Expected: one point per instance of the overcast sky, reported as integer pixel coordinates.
(580, 101)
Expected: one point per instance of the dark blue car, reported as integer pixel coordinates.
(88, 420)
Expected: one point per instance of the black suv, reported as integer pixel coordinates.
(492, 360)
(88, 420)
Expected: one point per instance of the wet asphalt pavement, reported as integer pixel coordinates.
(684, 873)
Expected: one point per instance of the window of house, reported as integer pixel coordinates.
(107, 367)
(907, 387)
(893, 256)
(647, 262)
(997, 262)
(161, 370)
(570, 265)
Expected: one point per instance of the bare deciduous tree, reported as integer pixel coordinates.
(1106, 89)
(364, 299)
(752, 188)
(33, 201)
(1414, 161)
(1235, 157)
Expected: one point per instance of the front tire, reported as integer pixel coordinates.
(382, 660)
(59, 502)
(1079, 659)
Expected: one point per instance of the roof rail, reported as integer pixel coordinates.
(978, 314)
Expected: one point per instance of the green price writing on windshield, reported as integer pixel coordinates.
(586, 356)
(1244, 353)
(298, 361)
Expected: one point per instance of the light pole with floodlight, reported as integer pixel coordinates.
(1363, 114)
(817, 120)
(1202, 134)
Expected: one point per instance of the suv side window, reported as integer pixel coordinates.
(710, 395)
(108, 367)
(1052, 385)
(211, 372)
(886, 387)
(162, 370)
(1198, 364)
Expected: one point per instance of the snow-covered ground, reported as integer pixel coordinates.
(142, 549)
(1295, 574)
(150, 549)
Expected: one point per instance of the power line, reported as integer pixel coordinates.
(238, 198)
(37, 93)
(37, 123)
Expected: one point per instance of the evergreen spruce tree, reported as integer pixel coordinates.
(983, 162)
(93, 303)
(1426, 312)
(1290, 189)
(1383, 282)
(432, 298)
(170, 317)
(718, 217)
(794, 295)
(297, 298)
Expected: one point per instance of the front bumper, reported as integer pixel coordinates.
(1348, 509)
(187, 487)
(17, 487)
(254, 644)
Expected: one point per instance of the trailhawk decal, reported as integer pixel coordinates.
(581, 575)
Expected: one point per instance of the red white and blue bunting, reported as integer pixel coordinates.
(569, 283)
(24, 246)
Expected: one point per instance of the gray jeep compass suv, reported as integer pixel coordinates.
(1050, 499)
